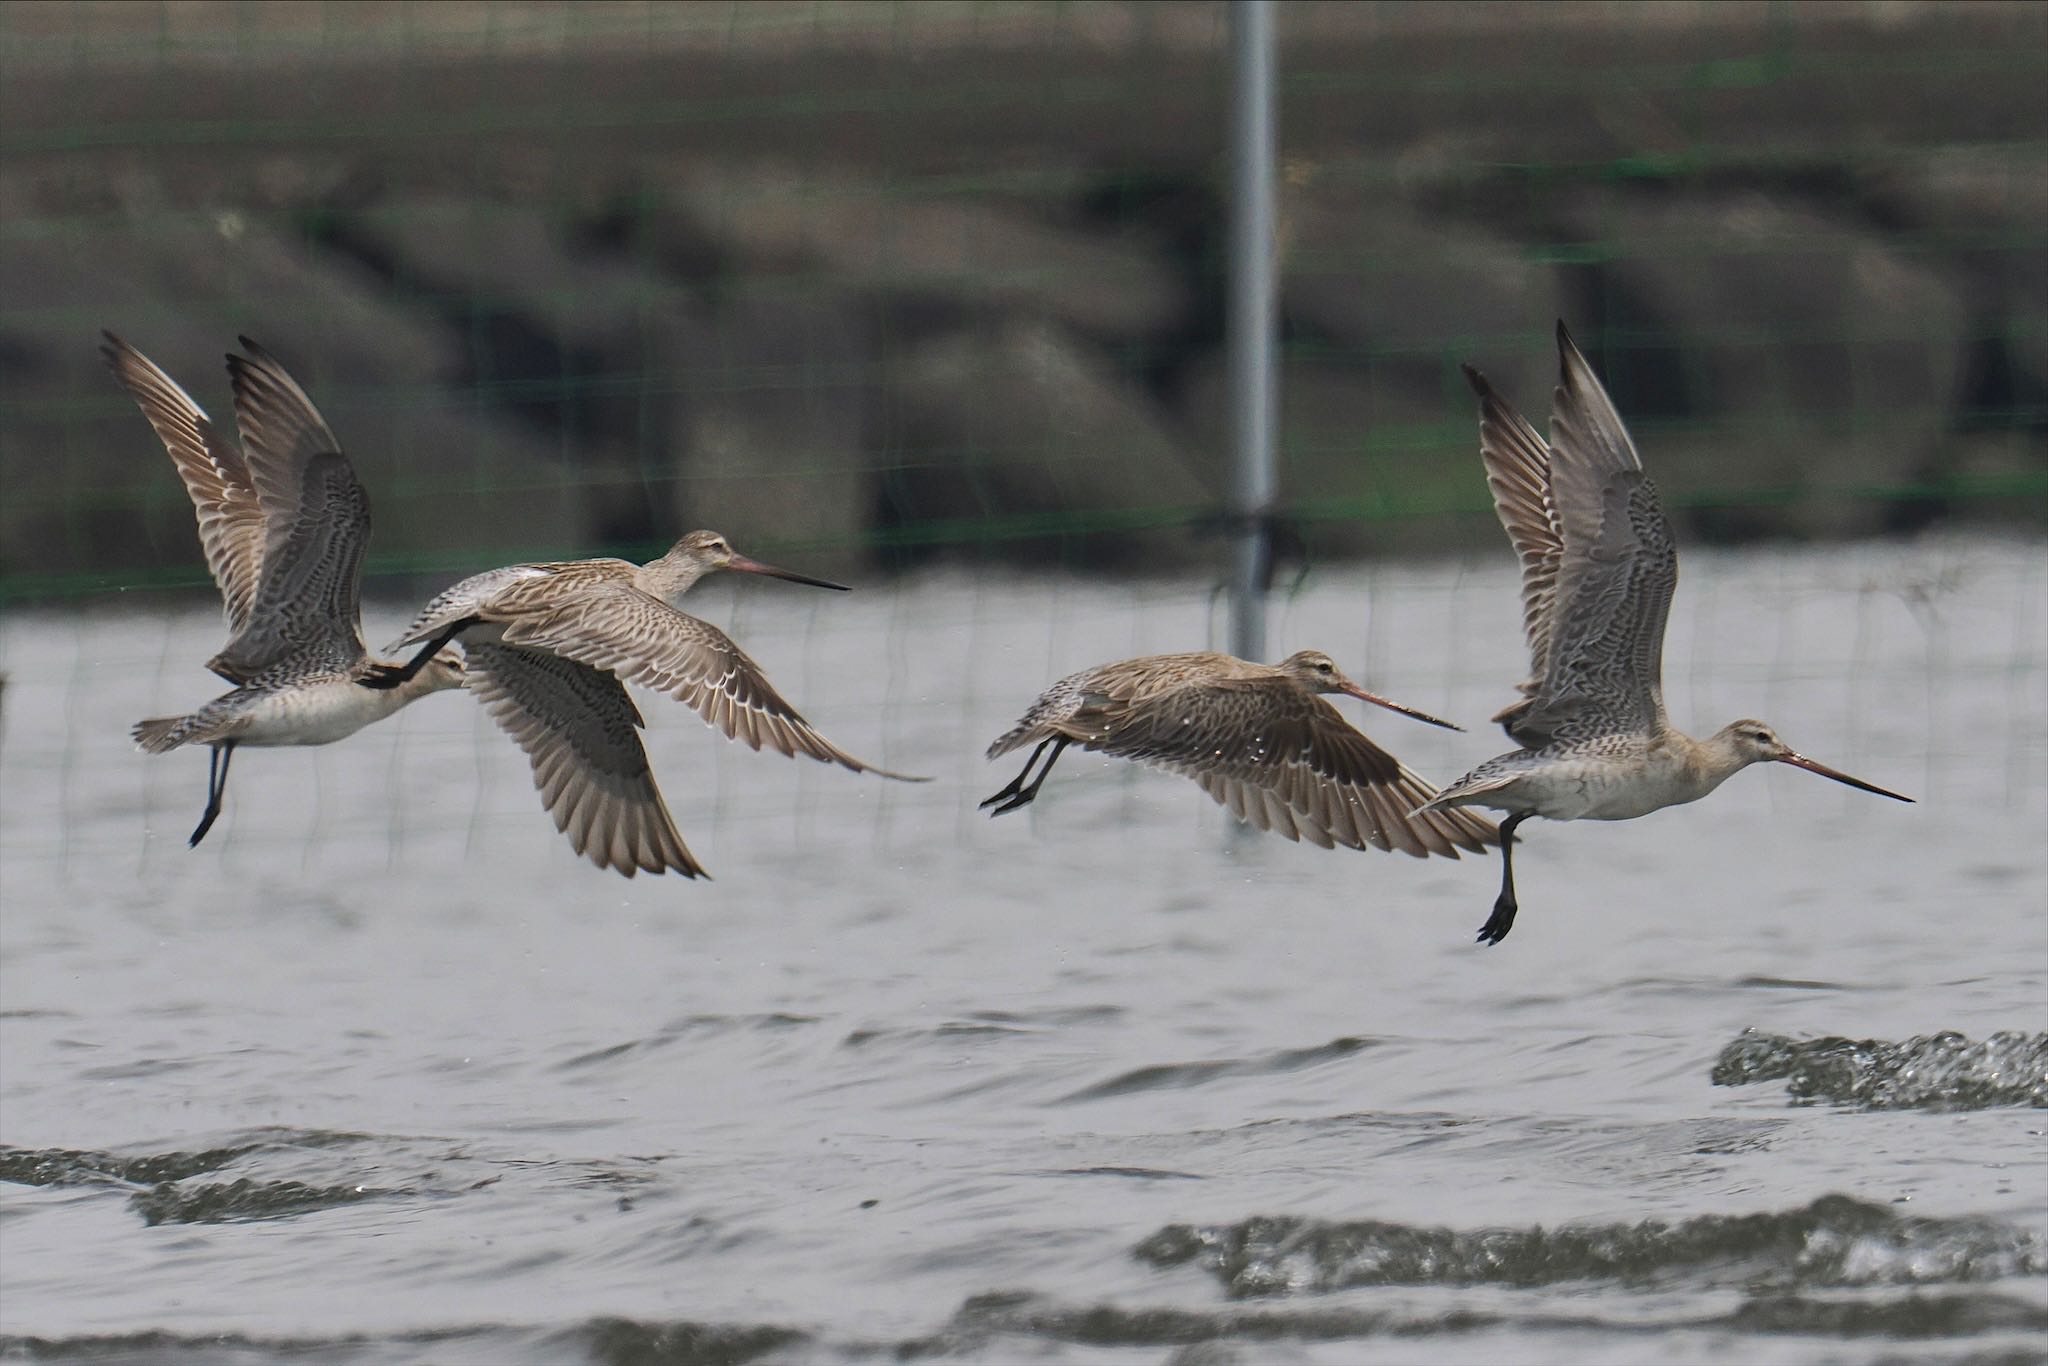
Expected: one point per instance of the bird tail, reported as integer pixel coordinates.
(1046, 716)
(162, 733)
(220, 719)
(1467, 791)
(1016, 738)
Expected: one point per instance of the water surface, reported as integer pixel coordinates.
(383, 1073)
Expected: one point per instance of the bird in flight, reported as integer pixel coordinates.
(1598, 569)
(283, 521)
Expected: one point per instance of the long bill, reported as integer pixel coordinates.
(1362, 695)
(1811, 766)
(747, 566)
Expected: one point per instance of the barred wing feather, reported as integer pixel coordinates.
(1517, 462)
(316, 522)
(580, 730)
(1616, 576)
(1282, 760)
(215, 476)
(616, 627)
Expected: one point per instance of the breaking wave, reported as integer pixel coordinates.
(1927, 1072)
(1834, 1242)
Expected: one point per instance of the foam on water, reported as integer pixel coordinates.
(1929, 1072)
(1836, 1241)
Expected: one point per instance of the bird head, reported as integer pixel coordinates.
(702, 552)
(1319, 673)
(446, 668)
(1742, 743)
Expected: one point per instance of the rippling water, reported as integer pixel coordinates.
(382, 1073)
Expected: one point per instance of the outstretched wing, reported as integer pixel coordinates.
(581, 732)
(1517, 462)
(614, 626)
(1282, 760)
(215, 476)
(1615, 576)
(316, 520)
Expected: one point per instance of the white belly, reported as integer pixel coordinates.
(1594, 791)
(317, 714)
(1625, 803)
(1603, 788)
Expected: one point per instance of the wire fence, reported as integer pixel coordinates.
(893, 282)
(1925, 669)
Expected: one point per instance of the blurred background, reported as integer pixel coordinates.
(930, 297)
(884, 283)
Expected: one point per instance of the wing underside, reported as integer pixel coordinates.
(580, 731)
(215, 476)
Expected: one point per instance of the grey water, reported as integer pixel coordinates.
(382, 1072)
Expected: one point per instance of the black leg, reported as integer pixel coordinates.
(391, 675)
(1016, 784)
(1017, 793)
(1503, 919)
(1029, 794)
(216, 785)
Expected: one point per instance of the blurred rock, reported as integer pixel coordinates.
(580, 344)
(976, 257)
(774, 412)
(1370, 274)
(1018, 434)
(1768, 358)
(1380, 306)
(469, 252)
(89, 487)
(679, 403)
(1374, 460)
(1983, 212)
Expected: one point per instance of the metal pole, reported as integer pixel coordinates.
(1251, 319)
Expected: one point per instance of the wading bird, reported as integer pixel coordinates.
(1258, 738)
(1598, 570)
(283, 522)
(546, 647)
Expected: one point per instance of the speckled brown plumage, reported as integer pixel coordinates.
(1257, 738)
(613, 620)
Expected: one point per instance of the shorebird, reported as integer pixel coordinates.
(1598, 570)
(283, 522)
(1259, 738)
(547, 646)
